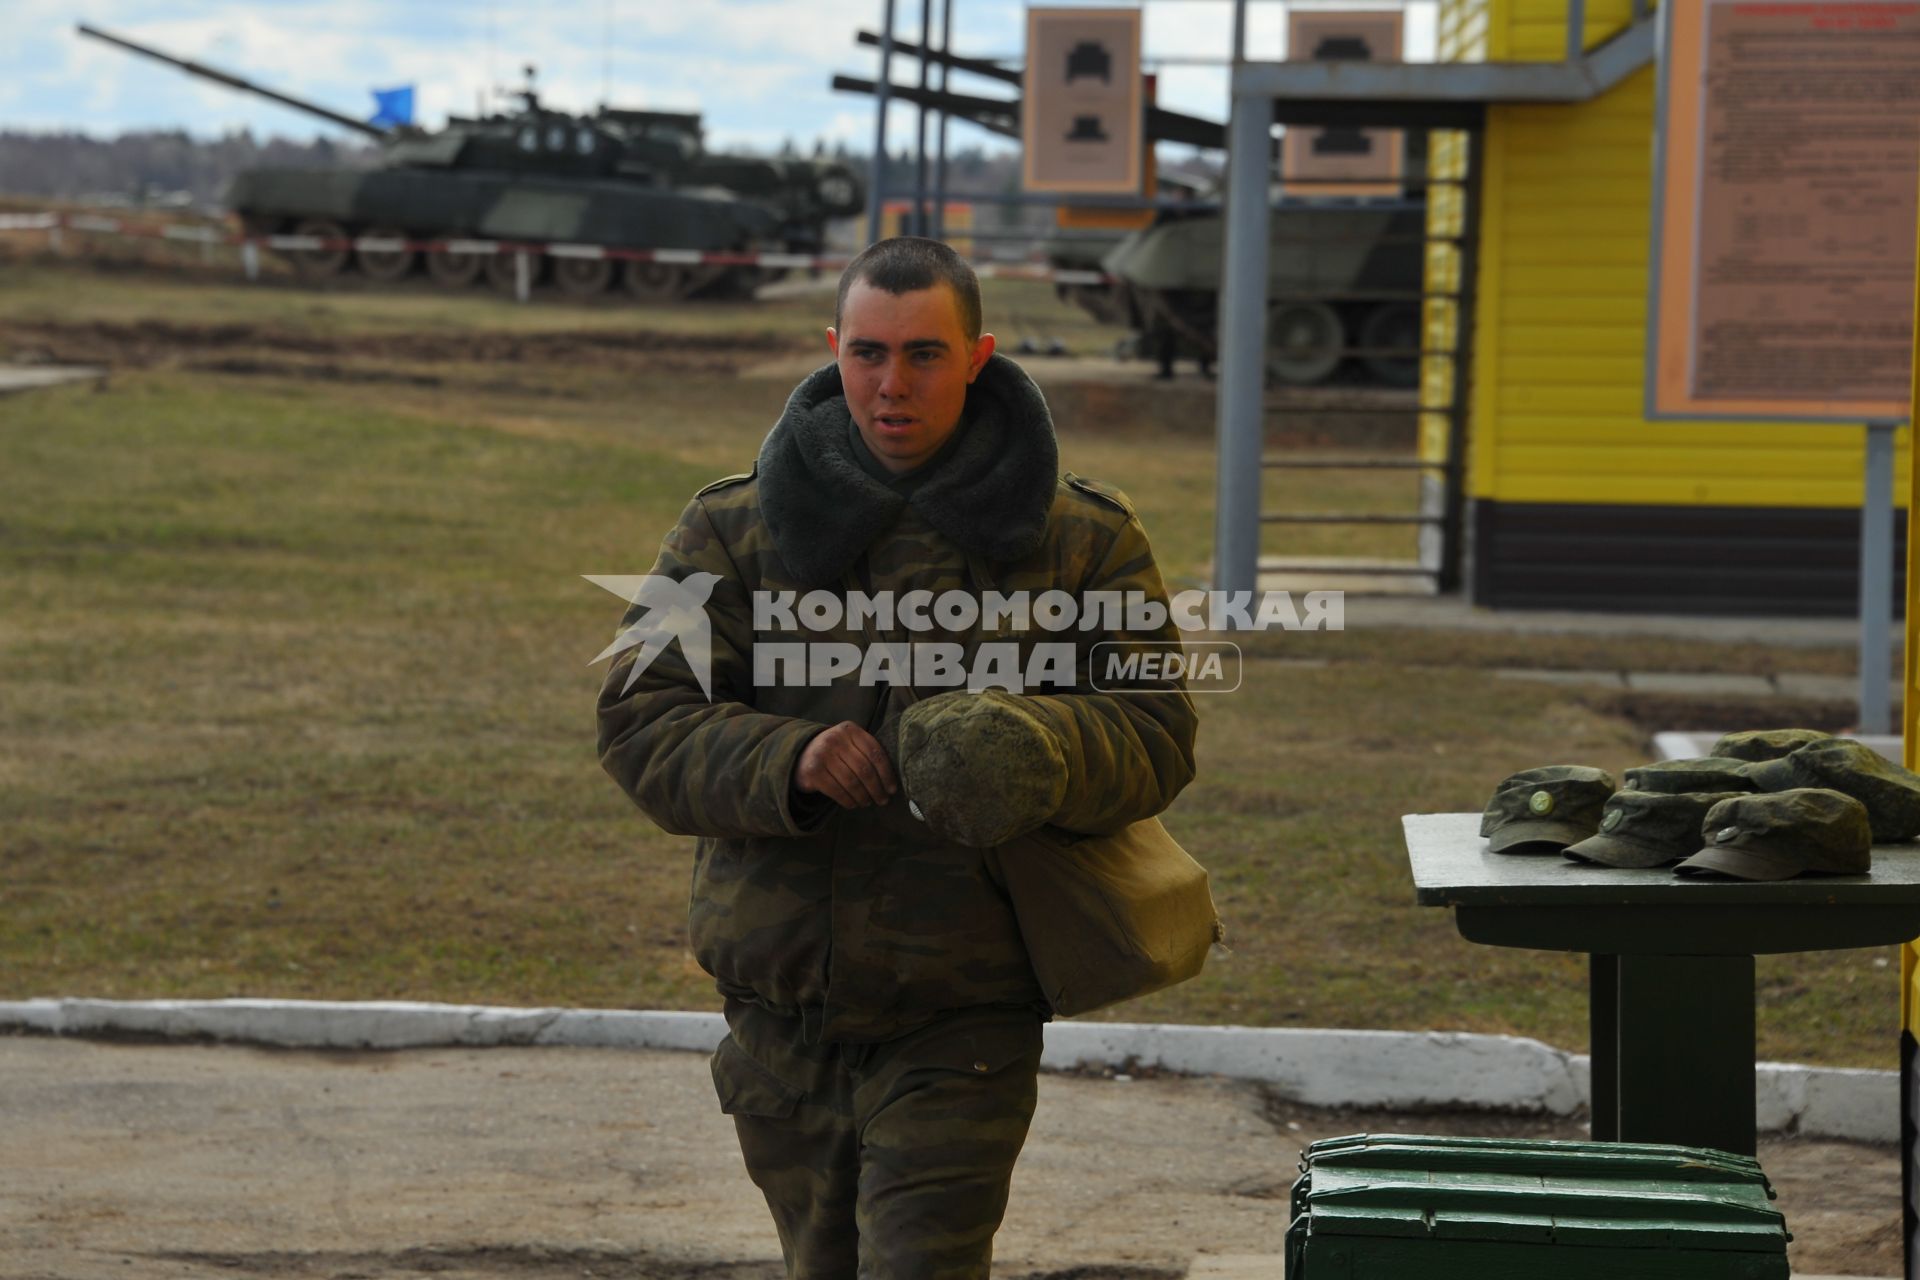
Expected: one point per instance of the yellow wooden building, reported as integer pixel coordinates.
(1574, 498)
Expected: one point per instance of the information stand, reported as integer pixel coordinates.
(1786, 147)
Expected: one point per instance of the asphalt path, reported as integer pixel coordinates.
(138, 1160)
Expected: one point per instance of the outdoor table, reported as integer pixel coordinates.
(1670, 995)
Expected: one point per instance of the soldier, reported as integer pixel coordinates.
(884, 1021)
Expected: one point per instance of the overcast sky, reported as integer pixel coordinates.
(758, 69)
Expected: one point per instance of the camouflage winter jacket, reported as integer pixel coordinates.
(860, 921)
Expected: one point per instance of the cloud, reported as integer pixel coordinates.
(757, 69)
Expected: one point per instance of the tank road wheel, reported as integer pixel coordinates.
(583, 277)
(453, 270)
(503, 274)
(318, 264)
(1304, 342)
(656, 281)
(386, 264)
(1394, 326)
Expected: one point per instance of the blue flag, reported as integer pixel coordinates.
(392, 107)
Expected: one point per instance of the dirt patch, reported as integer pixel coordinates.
(453, 1264)
(327, 371)
(1097, 395)
(235, 348)
(1653, 713)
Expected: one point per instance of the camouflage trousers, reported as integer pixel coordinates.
(886, 1161)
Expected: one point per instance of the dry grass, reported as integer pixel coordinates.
(297, 701)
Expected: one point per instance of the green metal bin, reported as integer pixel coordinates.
(1387, 1206)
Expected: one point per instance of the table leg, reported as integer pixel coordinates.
(1603, 1046)
(1686, 1046)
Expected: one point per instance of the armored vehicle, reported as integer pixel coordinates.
(1344, 275)
(618, 179)
(1342, 280)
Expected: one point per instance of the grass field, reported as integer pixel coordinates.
(296, 695)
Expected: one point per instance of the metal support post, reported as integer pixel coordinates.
(1603, 1046)
(1685, 1017)
(1243, 332)
(250, 259)
(1876, 581)
(919, 227)
(882, 89)
(1453, 537)
(1576, 30)
(940, 136)
(522, 275)
(54, 243)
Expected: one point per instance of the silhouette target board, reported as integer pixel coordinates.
(1341, 161)
(1081, 127)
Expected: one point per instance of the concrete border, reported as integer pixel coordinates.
(1398, 1070)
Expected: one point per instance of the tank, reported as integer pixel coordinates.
(1344, 275)
(618, 178)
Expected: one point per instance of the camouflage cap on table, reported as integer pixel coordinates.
(1891, 793)
(1546, 809)
(1765, 744)
(1648, 828)
(1676, 777)
(1779, 834)
(980, 768)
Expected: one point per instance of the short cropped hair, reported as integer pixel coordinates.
(907, 264)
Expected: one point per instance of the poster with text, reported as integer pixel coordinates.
(1786, 173)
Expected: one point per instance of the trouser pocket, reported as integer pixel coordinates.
(746, 1088)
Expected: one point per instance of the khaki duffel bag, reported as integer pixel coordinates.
(1107, 918)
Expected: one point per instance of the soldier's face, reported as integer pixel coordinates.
(905, 363)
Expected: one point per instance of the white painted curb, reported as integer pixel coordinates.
(1400, 1070)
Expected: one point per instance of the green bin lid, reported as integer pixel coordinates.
(1596, 1194)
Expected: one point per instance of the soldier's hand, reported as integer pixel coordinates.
(847, 765)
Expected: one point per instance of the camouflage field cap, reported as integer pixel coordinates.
(1777, 835)
(1676, 777)
(1765, 744)
(1648, 828)
(1546, 809)
(980, 768)
(1891, 793)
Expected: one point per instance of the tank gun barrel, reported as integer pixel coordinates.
(235, 82)
(1163, 125)
(978, 66)
(996, 115)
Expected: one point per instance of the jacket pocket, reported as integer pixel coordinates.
(746, 1088)
(981, 1044)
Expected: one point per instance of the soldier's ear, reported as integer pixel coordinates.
(978, 361)
(833, 342)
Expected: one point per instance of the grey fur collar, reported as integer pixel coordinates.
(989, 495)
